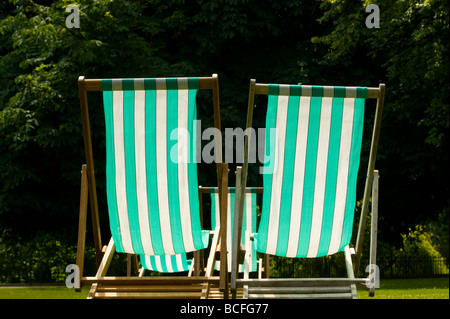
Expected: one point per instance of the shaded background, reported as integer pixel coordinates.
(309, 42)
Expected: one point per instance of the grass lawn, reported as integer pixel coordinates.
(428, 288)
(421, 288)
(39, 292)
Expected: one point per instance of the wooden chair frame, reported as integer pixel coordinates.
(124, 287)
(261, 269)
(352, 256)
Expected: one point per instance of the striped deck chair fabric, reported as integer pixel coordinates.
(310, 188)
(248, 223)
(166, 263)
(152, 187)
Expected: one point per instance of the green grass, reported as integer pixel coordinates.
(421, 288)
(428, 288)
(39, 292)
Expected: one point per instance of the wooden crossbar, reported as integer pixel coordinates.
(263, 89)
(204, 83)
(122, 280)
(301, 282)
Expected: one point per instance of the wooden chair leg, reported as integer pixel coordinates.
(373, 275)
(82, 224)
(223, 232)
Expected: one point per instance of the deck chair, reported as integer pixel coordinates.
(152, 185)
(181, 263)
(309, 182)
(251, 263)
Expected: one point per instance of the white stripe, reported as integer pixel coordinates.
(351, 92)
(139, 84)
(342, 177)
(299, 176)
(217, 209)
(168, 261)
(183, 83)
(141, 175)
(321, 176)
(179, 262)
(183, 159)
(306, 90)
(119, 156)
(147, 264)
(116, 84)
(328, 91)
(277, 178)
(161, 164)
(284, 89)
(158, 263)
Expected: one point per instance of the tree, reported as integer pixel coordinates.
(409, 52)
(41, 143)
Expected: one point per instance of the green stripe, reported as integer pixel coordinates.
(271, 120)
(213, 208)
(331, 177)
(198, 237)
(310, 176)
(355, 156)
(295, 90)
(153, 262)
(339, 91)
(128, 84)
(151, 172)
(130, 170)
(163, 262)
(150, 85)
(171, 84)
(185, 262)
(193, 83)
(106, 85)
(288, 175)
(172, 170)
(173, 263)
(254, 211)
(361, 92)
(317, 91)
(111, 170)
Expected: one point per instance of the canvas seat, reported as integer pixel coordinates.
(181, 263)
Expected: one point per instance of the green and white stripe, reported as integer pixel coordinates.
(166, 263)
(310, 194)
(152, 200)
(248, 221)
